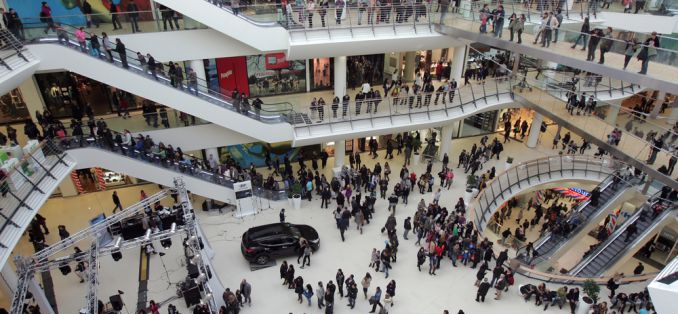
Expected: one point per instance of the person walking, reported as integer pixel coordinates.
(340, 282)
(407, 226)
(320, 294)
(390, 291)
(116, 202)
(308, 293)
(115, 19)
(583, 34)
(483, 288)
(376, 300)
(133, 15)
(366, 283)
(246, 291)
(306, 255)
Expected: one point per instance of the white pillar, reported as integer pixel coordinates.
(199, 67)
(339, 155)
(40, 297)
(308, 76)
(516, 63)
(67, 187)
(612, 113)
(458, 62)
(340, 76)
(446, 140)
(8, 281)
(30, 91)
(661, 96)
(673, 117)
(535, 130)
(408, 73)
(212, 151)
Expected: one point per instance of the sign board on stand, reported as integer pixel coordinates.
(243, 198)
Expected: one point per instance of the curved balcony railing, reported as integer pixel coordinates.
(533, 172)
(188, 165)
(466, 98)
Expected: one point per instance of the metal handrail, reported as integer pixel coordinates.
(620, 231)
(184, 167)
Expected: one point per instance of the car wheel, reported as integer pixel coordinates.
(262, 259)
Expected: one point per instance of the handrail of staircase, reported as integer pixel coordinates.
(202, 89)
(620, 231)
(30, 162)
(574, 280)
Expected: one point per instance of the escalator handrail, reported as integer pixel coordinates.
(218, 96)
(620, 231)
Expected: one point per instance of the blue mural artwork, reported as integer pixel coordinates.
(255, 153)
(68, 11)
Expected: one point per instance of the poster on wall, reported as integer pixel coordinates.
(69, 11)
(321, 72)
(233, 75)
(273, 74)
(243, 196)
(255, 153)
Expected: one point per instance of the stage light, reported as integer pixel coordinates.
(201, 278)
(207, 297)
(166, 243)
(117, 255)
(195, 259)
(148, 234)
(117, 243)
(173, 228)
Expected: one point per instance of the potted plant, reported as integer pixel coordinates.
(296, 195)
(509, 163)
(590, 297)
(416, 146)
(471, 188)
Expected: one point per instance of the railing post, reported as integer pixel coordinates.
(517, 176)
(549, 163)
(461, 103)
(494, 197)
(484, 94)
(496, 86)
(609, 79)
(527, 170)
(473, 94)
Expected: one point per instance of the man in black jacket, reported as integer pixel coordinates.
(482, 290)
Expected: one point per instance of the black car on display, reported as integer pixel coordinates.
(260, 244)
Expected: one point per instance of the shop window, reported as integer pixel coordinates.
(13, 108)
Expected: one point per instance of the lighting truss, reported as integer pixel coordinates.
(39, 262)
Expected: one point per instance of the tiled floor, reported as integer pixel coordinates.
(223, 232)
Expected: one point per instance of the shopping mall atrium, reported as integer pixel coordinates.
(338, 156)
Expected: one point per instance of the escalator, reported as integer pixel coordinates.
(271, 124)
(150, 167)
(260, 31)
(616, 246)
(585, 213)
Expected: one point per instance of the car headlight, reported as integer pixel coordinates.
(316, 241)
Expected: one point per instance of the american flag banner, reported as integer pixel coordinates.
(575, 193)
(613, 221)
(539, 197)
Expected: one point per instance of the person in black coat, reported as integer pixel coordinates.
(482, 291)
(595, 196)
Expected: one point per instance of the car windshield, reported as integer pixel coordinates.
(295, 231)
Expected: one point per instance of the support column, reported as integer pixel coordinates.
(647, 185)
(445, 140)
(408, 73)
(339, 155)
(661, 97)
(458, 62)
(212, 151)
(40, 297)
(8, 281)
(199, 67)
(340, 76)
(535, 130)
(31, 94)
(516, 63)
(612, 114)
(673, 117)
(308, 76)
(67, 187)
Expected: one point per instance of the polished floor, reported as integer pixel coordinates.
(417, 292)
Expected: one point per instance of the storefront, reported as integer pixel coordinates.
(367, 68)
(322, 73)
(273, 74)
(13, 107)
(98, 179)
